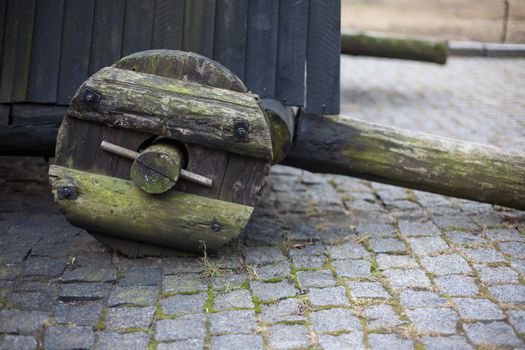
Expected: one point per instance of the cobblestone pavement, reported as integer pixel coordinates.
(327, 261)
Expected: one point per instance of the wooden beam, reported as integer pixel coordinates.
(394, 46)
(342, 145)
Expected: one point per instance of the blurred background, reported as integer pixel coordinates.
(478, 20)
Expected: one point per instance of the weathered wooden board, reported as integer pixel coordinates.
(342, 145)
(323, 48)
(45, 54)
(32, 130)
(107, 33)
(183, 66)
(230, 34)
(3, 9)
(16, 61)
(244, 180)
(186, 111)
(76, 44)
(261, 47)
(167, 24)
(199, 24)
(291, 56)
(208, 162)
(122, 209)
(138, 26)
(78, 147)
(5, 111)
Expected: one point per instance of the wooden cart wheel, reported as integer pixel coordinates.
(238, 178)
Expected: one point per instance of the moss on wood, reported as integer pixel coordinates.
(117, 207)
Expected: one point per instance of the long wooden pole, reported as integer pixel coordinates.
(394, 46)
(342, 145)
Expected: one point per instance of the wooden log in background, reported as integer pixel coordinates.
(394, 46)
(342, 145)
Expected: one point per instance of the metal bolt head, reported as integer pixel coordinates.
(216, 227)
(66, 192)
(241, 132)
(89, 96)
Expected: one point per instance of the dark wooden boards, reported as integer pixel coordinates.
(291, 54)
(261, 47)
(45, 53)
(76, 45)
(231, 18)
(16, 61)
(138, 26)
(168, 23)
(32, 129)
(48, 47)
(199, 24)
(107, 33)
(323, 50)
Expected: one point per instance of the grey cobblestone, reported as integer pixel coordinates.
(278, 270)
(84, 291)
(237, 321)
(129, 317)
(517, 319)
(21, 322)
(375, 230)
(509, 293)
(505, 235)
(411, 299)
(495, 333)
(434, 320)
(410, 228)
(352, 340)
(389, 341)
(457, 285)
(333, 320)
(19, 342)
(427, 245)
(181, 328)
(273, 291)
(261, 255)
(478, 309)
(464, 238)
(287, 337)
(237, 341)
(445, 264)
(514, 249)
(182, 304)
(410, 278)
(328, 296)
(452, 342)
(387, 245)
(285, 310)
(127, 341)
(373, 290)
(352, 268)
(183, 283)
(80, 314)
(236, 299)
(315, 279)
(381, 316)
(138, 296)
(491, 275)
(484, 255)
(349, 251)
(387, 261)
(182, 344)
(64, 338)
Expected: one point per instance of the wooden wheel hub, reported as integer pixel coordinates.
(163, 149)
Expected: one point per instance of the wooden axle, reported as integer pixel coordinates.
(157, 168)
(343, 145)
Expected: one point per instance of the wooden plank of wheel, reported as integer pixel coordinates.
(184, 102)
